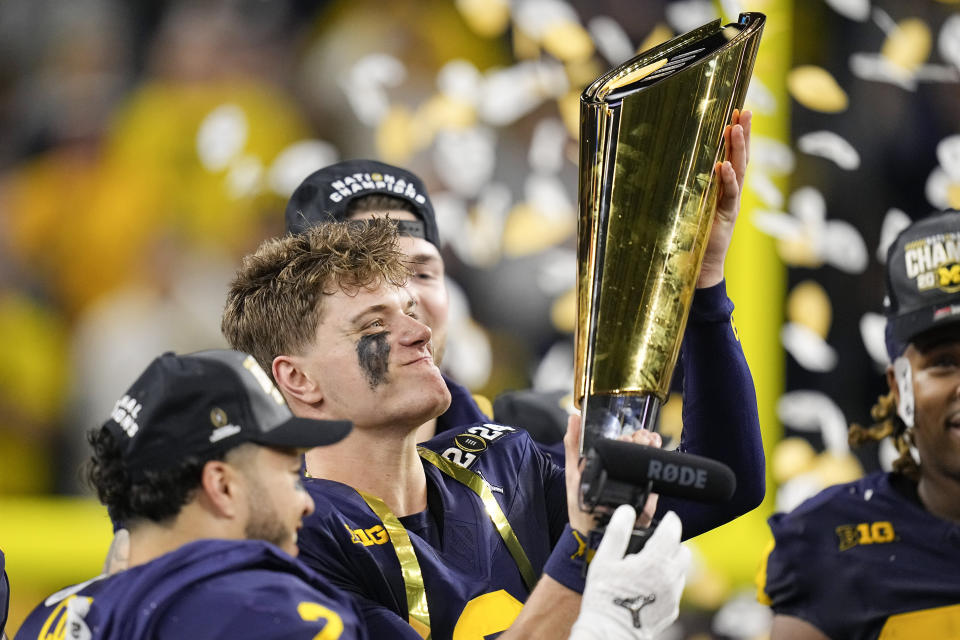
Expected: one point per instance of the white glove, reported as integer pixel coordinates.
(638, 596)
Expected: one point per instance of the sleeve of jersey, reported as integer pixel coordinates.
(720, 419)
(320, 552)
(566, 561)
(791, 581)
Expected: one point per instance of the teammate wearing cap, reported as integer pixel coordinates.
(201, 460)
(887, 546)
(451, 537)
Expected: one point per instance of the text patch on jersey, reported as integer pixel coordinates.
(473, 442)
(368, 537)
(852, 535)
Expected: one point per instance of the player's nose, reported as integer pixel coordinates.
(414, 332)
(308, 504)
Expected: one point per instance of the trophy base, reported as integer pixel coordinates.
(611, 416)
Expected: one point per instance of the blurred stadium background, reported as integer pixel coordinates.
(145, 146)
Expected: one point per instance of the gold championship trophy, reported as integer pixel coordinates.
(651, 131)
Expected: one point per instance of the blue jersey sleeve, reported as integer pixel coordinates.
(792, 580)
(720, 418)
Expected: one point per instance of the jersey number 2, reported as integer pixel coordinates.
(487, 614)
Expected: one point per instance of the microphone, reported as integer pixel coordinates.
(617, 472)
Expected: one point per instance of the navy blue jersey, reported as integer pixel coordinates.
(469, 575)
(866, 560)
(206, 589)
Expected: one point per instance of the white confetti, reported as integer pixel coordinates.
(296, 162)
(548, 196)
(948, 42)
(365, 85)
(460, 80)
(831, 146)
(611, 40)
(511, 93)
(843, 247)
(685, 15)
(858, 10)
(221, 136)
(546, 147)
(465, 159)
(807, 348)
(872, 327)
(894, 222)
(813, 411)
(534, 17)
(948, 154)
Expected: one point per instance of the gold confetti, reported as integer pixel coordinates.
(489, 18)
(563, 312)
(808, 305)
(833, 469)
(953, 194)
(671, 417)
(567, 41)
(524, 46)
(660, 34)
(569, 107)
(790, 458)
(908, 46)
(443, 112)
(799, 253)
(816, 89)
(396, 136)
(527, 231)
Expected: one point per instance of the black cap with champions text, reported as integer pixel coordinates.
(204, 403)
(922, 279)
(326, 195)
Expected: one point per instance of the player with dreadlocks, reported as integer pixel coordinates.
(879, 557)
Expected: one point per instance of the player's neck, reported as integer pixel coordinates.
(940, 495)
(150, 540)
(370, 461)
(427, 430)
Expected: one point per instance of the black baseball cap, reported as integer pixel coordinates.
(325, 196)
(923, 279)
(205, 403)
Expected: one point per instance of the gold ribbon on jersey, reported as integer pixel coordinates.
(417, 606)
(479, 486)
(418, 612)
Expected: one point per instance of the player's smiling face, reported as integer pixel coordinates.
(372, 359)
(935, 361)
(427, 283)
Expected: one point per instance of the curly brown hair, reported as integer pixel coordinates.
(276, 299)
(888, 423)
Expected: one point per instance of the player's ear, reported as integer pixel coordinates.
(295, 383)
(220, 489)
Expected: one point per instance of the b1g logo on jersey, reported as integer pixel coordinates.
(474, 441)
(852, 535)
(368, 537)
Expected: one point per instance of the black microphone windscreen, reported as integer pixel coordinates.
(680, 475)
